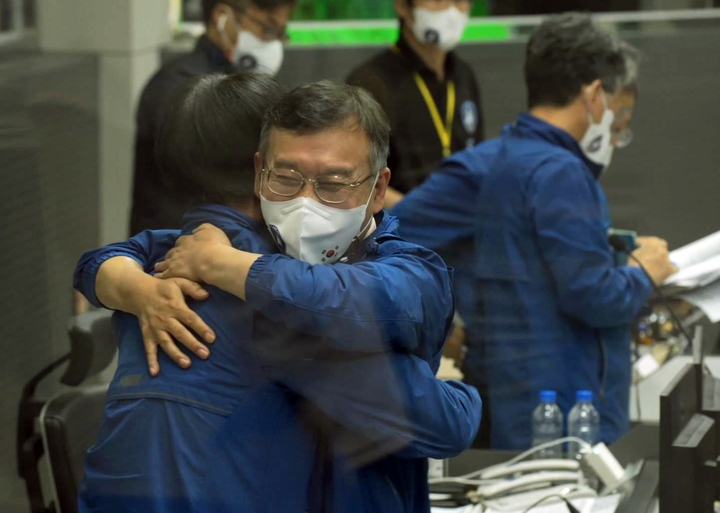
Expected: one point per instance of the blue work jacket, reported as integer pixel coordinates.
(545, 305)
(274, 409)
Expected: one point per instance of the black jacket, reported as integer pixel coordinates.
(155, 206)
(415, 147)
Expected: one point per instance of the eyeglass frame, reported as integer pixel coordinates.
(270, 31)
(623, 137)
(351, 185)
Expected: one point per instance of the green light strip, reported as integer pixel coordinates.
(384, 36)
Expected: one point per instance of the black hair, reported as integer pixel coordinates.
(323, 105)
(570, 50)
(265, 5)
(210, 133)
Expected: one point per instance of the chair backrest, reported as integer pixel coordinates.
(92, 346)
(69, 425)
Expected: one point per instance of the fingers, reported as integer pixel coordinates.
(195, 323)
(192, 289)
(150, 352)
(162, 266)
(167, 344)
(182, 335)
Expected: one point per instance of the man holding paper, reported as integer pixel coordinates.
(545, 304)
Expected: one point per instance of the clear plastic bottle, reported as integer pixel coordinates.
(547, 425)
(583, 422)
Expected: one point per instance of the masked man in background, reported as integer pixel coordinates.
(430, 95)
(240, 35)
(546, 306)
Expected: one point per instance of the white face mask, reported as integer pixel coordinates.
(440, 28)
(311, 231)
(597, 141)
(252, 53)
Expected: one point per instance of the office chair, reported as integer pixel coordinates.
(69, 422)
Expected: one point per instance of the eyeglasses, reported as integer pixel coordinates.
(623, 137)
(331, 189)
(269, 31)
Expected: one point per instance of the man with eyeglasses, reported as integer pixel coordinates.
(349, 351)
(430, 95)
(546, 306)
(240, 35)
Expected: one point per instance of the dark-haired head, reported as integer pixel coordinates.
(569, 51)
(263, 5)
(323, 105)
(326, 142)
(226, 20)
(575, 70)
(210, 133)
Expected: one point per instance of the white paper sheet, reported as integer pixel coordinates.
(706, 299)
(697, 251)
(699, 263)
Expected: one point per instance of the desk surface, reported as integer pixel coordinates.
(642, 442)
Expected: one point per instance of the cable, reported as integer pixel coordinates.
(620, 246)
(462, 481)
(582, 443)
(665, 301)
(570, 507)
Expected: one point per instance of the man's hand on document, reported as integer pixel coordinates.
(655, 258)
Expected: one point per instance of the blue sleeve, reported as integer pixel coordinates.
(146, 248)
(567, 208)
(388, 404)
(401, 300)
(442, 210)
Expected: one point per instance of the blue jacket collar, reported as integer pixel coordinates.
(529, 125)
(387, 227)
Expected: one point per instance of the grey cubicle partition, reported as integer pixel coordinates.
(48, 200)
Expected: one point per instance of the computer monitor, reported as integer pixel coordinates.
(711, 404)
(687, 446)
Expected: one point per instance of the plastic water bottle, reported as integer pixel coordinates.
(547, 425)
(583, 423)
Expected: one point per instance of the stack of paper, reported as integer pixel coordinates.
(699, 263)
(698, 281)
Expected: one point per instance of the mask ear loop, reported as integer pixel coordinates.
(362, 230)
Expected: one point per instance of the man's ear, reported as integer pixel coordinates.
(258, 173)
(380, 189)
(593, 99)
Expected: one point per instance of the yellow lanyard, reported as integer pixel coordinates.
(444, 132)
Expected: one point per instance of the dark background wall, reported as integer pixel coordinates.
(48, 200)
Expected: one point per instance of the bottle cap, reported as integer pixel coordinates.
(548, 396)
(584, 396)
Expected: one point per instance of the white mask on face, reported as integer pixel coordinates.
(597, 141)
(440, 28)
(252, 53)
(311, 231)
